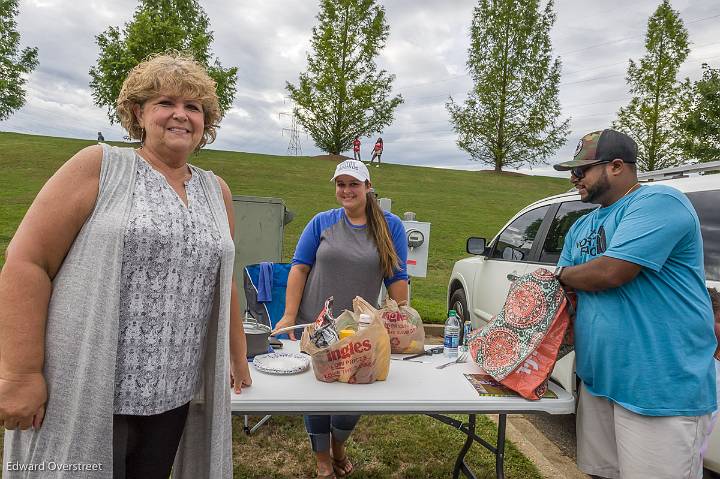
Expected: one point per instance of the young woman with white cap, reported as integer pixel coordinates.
(344, 252)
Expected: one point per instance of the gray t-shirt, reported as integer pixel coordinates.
(344, 262)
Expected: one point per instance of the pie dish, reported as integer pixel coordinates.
(282, 363)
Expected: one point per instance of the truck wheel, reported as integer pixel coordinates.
(459, 304)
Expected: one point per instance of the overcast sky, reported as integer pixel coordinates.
(269, 39)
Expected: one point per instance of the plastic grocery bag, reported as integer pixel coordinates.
(519, 346)
(403, 324)
(361, 358)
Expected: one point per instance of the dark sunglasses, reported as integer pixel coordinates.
(579, 171)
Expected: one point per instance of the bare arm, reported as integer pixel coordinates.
(295, 287)
(238, 343)
(398, 290)
(599, 274)
(33, 258)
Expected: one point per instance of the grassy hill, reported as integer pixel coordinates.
(457, 203)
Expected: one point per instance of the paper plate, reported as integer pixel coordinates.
(282, 363)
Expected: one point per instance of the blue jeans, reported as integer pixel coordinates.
(319, 429)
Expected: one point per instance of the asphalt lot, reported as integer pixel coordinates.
(560, 430)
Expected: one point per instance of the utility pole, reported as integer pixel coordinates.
(294, 148)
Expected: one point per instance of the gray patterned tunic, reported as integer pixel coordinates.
(170, 264)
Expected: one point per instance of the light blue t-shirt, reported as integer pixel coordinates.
(647, 345)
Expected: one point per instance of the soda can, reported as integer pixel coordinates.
(467, 326)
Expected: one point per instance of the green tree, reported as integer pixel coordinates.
(157, 26)
(702, 123)
(343, 94)
(14, 63)
(656, 110)
(511, 116)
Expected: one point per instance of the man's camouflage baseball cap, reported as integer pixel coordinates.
(599, 146)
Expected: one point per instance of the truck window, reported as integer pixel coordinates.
(515, 242)
(706, 205)
(566, 215)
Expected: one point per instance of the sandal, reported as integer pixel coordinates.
(343, 467)
(329, 475)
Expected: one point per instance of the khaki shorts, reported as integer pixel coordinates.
(616, 443)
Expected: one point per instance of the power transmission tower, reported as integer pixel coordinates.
(294, 147)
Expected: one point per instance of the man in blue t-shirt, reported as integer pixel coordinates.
(644, 337)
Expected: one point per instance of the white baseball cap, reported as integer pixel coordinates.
(354, 168)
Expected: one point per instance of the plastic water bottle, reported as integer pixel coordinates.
(452, 335)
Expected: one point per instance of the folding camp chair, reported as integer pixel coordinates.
(267, 312)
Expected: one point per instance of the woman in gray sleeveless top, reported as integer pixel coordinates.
(115, 300)
(344, 252)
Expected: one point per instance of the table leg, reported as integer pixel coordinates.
(469, 431)
(460, 464)
(500, 448)
(246, 422)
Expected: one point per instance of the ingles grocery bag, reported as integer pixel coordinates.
(403, 324)
(363, 357)
(519, 346)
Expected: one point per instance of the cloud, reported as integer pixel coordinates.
(268, 41)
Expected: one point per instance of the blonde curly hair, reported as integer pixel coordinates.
(172, 74)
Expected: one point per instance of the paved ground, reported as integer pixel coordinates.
(560, 430)
(549, 459)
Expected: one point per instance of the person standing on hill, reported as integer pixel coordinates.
(344, 252)
(377, 152)
(644, 337)
(356, 149)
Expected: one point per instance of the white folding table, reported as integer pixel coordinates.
(410, 388)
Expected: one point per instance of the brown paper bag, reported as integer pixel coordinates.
(403, 324)
(362, 358)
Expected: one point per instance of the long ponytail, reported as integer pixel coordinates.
(378, 230)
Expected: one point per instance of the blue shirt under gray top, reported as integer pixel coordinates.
(647, 345)
(344, 262)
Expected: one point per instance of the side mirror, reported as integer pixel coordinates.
(475, 245)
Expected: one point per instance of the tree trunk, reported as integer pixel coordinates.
(654, 147)
(500, 154)
(338, 127)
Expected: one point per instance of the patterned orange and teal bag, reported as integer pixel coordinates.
(519, 346)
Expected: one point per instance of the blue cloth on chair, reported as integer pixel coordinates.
(268, 312)
(265, 282)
